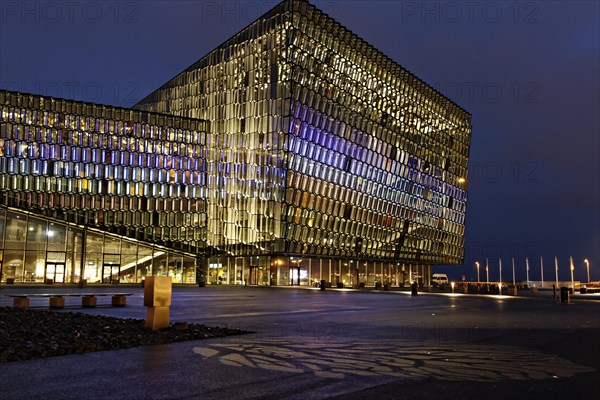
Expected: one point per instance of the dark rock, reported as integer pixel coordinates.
(181, 326)
(31, 334)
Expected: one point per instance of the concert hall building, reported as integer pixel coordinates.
(294, 152)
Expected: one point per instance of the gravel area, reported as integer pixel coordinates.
(31, 334)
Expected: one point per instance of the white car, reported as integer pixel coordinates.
(439, 279)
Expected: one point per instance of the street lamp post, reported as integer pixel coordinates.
(572, 266)
(556, 272)
(587, 264)
(487, 272)
(477, 265)
(500, 269)
(527, 268)
(542, 269)
(513, 265)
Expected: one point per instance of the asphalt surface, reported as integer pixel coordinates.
(344, 344)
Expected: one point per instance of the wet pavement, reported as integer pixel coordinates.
(309, 344)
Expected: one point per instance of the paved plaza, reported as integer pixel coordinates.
(309, 344)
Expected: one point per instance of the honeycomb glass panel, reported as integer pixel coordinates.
(294, 138)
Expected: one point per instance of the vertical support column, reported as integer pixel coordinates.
(244, 280)
(70, 256)
(157, 297)
(83, 251)
(201, 271)
(428, 274)
(23, 253)
(403, 273)
(272, 271)
(320, 269)
(135, 268)
(228, 270)
(234, 267)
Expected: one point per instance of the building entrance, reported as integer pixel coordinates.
(294, 275)
(55, 272)
(111, 273)
(258, 275)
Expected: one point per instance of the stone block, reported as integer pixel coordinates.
(21, 302)
(89, 301)
(57, 302)
(119, 301)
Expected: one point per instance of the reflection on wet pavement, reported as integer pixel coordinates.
(400, 359)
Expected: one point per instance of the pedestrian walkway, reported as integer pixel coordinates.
(312, 344)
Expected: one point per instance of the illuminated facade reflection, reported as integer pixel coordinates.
(325, 159)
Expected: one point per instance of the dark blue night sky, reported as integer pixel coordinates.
(527, 71)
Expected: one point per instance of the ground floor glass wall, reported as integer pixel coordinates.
(305, 271)
(37, 250)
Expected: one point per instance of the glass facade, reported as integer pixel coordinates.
(35, 250)
(73, 173)
(295, 152)
(325, 159)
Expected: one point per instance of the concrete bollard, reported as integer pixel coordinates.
(157, 297)
(414, 289)
(565, 297)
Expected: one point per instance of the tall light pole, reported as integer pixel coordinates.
(587, 264)
(572, 270)
(556, 271)
(487, 272)
(500, 270)
(513, 264)
(527, 268)
(477, 265)
(542, 269)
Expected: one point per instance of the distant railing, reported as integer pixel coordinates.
(551, 284)
(537, 284)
